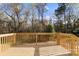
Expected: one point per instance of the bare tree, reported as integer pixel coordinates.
(13, 12)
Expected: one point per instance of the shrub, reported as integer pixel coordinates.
(49, 28)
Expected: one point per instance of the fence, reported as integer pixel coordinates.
(6, 40)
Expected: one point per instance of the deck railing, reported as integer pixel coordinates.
(34, 37)
(69, 41)
(6, 40)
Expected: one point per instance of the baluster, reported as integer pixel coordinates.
(0, 44)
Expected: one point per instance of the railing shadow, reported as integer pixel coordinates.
(36, 53)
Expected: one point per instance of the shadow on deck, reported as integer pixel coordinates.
(36, 53)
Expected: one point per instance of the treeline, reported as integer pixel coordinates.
(31, 18)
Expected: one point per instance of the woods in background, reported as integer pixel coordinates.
(18, 17)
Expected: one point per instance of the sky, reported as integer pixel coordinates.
(51, 8)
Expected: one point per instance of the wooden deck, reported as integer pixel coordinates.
(19, 51)
(42, 51)
(54, 51)
(61, 44)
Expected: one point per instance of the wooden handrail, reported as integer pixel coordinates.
(4, 35)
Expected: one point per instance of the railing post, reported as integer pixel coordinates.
(58, 39)
(36, 39)
(72, 46)
(77, 48)
(14, 38)
(0, 44)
